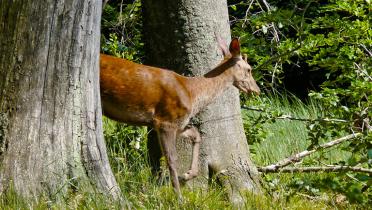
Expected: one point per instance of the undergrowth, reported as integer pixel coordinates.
(273, 140)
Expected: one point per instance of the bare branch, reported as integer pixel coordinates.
(366, 49)
(315, 169)
(275, 33)
(304, 119)
(104, 2)
(367, 125)
(363, 71)
(266, 5)
(289, 117)
(251, 108)
(299, 156)
(273, 74)
(246, 13)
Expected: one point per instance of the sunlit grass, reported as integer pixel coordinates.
(142, 190)
(287, 137)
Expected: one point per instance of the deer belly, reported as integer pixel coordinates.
(128, 114)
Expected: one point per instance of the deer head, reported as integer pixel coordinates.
(242, 71)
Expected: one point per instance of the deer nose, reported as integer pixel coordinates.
(256, 91)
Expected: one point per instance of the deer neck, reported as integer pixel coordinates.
(205, 89)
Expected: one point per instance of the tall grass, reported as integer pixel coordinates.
(285, 137)
(144, 191)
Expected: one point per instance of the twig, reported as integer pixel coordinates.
(289, 117)
(266, 5)
(275, 33)
(246, 13)
(273, 75)
(366, 49)
(251, 108)
(104, 3)
(367, 125)
(300, 32)
(318, 198)
(304, 119)
(315, 169)
(299, 156)
(363, 71)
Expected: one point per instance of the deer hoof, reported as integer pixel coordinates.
(188, 175)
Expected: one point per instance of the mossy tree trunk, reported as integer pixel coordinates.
(180, 35)
(51, 137)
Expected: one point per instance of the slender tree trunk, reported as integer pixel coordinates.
(51, 136)
(180, 35)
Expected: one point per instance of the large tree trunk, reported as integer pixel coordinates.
(51, 136)
(180, 35)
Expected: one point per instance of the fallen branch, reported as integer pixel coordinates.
(315, 169)
(301, 155)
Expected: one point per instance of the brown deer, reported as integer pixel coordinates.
(143, 95)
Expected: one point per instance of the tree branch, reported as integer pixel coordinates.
(299, 156)
(366, 49)
(363, 71)
(289, 117)
(246, 14)
(104, 2)
(315, 169)
(305, 119)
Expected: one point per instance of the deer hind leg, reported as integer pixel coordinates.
(167, 140)
(194, 135)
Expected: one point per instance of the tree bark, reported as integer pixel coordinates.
(180, 35)
(51, 138)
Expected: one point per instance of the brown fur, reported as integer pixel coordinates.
(144, 95)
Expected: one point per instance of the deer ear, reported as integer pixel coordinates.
(235, 47)
(223, 46)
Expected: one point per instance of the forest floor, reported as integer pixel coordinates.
(273, 141)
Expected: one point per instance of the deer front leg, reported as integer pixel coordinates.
(194, 135)
(167, 140)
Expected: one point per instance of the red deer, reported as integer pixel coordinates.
(143, 95)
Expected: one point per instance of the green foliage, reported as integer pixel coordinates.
(330, 42)
(343, 54)
(126, 143)
(328, 38)
(121, 29)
